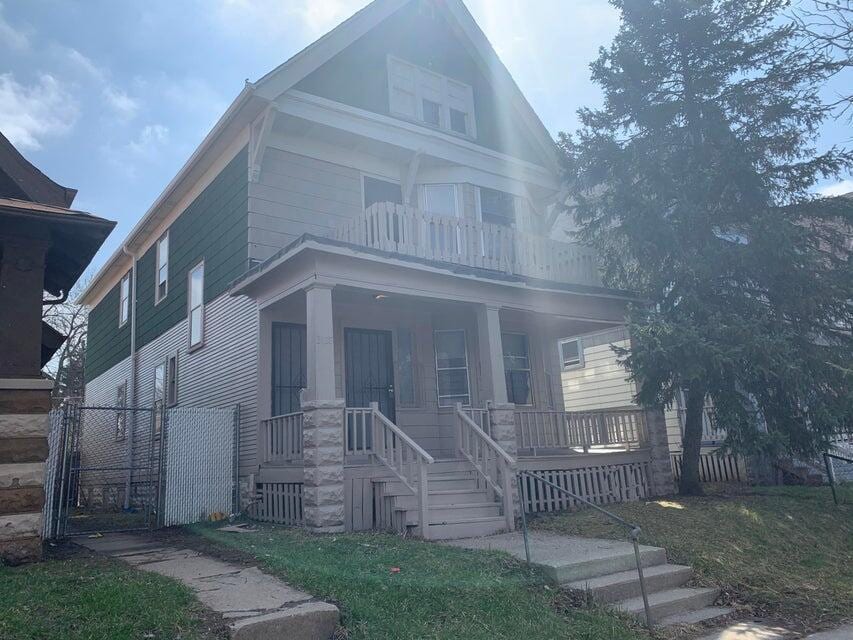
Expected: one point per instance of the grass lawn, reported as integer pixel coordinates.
(785, 552)
(84, 597)
(439, 592)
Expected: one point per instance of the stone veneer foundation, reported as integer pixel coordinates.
(323, 459)
(24, 407)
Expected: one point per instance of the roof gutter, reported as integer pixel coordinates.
(217, 130)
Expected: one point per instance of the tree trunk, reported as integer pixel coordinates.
(691, 443)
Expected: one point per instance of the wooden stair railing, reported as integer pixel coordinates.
(369, 432)
(495, 466)
(281, 438)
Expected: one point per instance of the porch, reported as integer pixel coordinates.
(404, 395)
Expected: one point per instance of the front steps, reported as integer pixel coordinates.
(460, 506)
(607, 571)
(670, 602)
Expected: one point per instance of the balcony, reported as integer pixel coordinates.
(408, 231)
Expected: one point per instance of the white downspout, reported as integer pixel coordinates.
(131, 385)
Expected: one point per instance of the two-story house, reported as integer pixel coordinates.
(362, 254)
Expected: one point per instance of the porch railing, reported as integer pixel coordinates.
(712, 432)
(281, 438)
(549, 429)
(367, 431)
(493, 464)
(409, 231)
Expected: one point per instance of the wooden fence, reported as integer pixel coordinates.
(600, 484)
(280, 502)
(714, 467)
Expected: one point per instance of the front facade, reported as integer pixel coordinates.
(360, 255)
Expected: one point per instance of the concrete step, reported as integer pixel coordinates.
(695, 616)
(626, 584)
(670, 602)
(472, 527)
(607, 562)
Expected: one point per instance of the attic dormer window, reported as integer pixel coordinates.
(431, 98)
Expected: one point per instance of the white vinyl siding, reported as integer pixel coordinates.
(195, 313)
(431, 98)
(124, 300)
(602, 383)
(161, 284)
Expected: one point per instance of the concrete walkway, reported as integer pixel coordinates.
(256, 606)
(758, 631)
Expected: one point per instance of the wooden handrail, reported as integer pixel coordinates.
(553, 429)
(387, 443)
(489, 459)
(406, 230)
(281, 438)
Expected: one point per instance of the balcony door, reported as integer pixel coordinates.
(369, 369)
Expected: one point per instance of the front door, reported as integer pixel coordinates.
(289, 366)
(369, 369)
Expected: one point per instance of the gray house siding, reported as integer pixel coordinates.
(358, 76)
(297, 194)
(221, 373)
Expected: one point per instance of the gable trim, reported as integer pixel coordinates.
(288, 74)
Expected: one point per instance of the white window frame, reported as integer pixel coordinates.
(157, 296)
(425, 198)
(121, 413)
(124, 300)
(171, 378)
(192, 346)
(529, 368)
(159, 402)
(580, 364)
(444, 101)
(438, 369)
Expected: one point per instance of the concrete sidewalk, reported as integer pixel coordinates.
(256, 606)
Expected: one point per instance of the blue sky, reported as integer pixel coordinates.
(112, 97)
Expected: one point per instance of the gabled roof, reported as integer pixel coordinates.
(22, 180)
(312, 57)
(255, 96)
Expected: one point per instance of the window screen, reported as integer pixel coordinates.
(451, 363)
(376, 190)
(497, 207)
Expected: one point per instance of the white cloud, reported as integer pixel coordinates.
(150, 140)
(837, 189)
(82, 62)
(13, 37)
(30, 113)
(123, 105)
(272, 19)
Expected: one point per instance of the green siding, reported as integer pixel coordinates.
(215, 228)
(107, 344)
(358, 76)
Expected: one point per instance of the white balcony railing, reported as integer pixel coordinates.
(409, 231)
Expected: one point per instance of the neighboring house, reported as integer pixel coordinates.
(369, 223)
(44, 248)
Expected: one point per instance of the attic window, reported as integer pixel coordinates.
(419, 94)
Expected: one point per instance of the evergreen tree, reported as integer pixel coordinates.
(693, 182)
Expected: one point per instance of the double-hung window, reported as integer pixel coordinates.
(172, 381)
(162, 275)
(121, 414)
(516, 354)
(195, 299)
(436, 100)
(451, 367)
(571, 353)
(497, 207)
(124, 300)
(159, 396)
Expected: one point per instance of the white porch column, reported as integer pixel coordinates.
(321, 343)
(491, 353)
(323, 420)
